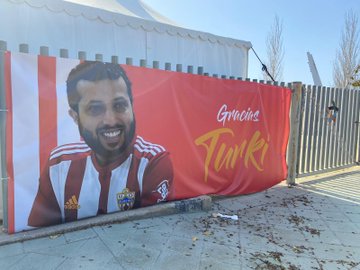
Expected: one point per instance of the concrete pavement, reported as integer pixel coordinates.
(314, 225)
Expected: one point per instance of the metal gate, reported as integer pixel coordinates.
(329, 129)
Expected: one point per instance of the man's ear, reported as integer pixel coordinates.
(74, 115)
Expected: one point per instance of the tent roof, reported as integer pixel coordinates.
(133, 13)
(134, 8)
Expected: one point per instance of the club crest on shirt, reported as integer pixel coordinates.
(163, 190)
(125, 199)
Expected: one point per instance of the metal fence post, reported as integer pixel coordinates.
(295, 112)
(3, 172)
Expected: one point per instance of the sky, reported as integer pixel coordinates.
(313, 26)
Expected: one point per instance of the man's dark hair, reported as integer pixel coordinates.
(93, 71)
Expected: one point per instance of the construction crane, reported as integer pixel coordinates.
(313, 70)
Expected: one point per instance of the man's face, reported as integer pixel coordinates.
(105, 117)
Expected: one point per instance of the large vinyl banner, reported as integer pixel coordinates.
(89, 138)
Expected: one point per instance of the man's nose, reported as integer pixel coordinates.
(109, 117)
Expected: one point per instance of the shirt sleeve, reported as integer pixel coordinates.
(158, 180)
(45, 210)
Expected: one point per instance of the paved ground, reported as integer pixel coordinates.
(315, 225)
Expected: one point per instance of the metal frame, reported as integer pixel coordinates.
(3, 110)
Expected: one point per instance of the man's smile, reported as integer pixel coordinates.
(111, 135)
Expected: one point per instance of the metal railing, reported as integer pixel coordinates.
(327, 141)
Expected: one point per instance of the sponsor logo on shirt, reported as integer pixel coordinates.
(125, 199)
(72, 203)
(163, 190)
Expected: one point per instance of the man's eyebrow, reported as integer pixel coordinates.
(120, 99)
(95, 102)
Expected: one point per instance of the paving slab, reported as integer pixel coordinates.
(314, 225)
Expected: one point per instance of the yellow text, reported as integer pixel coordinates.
(226, 156)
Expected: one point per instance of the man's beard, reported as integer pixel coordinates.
(99, 149)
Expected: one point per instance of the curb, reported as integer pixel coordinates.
(201, 203)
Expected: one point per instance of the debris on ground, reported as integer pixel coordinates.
(54, 236)
(296, 220)
(233, 217)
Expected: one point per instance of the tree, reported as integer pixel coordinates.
(275, 51)
(347, 56)
(355, 80)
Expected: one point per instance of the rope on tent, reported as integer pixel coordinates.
(263, 67)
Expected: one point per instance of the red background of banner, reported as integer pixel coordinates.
(174, 109)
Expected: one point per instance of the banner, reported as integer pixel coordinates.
(210, 136)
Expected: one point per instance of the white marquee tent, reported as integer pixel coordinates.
(123, 28)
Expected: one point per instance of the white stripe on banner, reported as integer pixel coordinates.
(67, 129)
(24, 79)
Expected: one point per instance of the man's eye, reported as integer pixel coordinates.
(95, 109)
(120, 106)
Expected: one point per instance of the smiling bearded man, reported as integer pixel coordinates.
(113, 169)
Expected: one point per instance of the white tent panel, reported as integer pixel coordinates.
(126, 28)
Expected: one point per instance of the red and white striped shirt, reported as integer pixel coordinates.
(74, 186)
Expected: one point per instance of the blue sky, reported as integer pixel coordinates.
(308, 25)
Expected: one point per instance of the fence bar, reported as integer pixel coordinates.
(82, 55)
(295, 112)
(142, 62)
(99, 57)
(345, 129)
(301, 130)
(168, 66)
(322, 121)
(327, 127)
(23, 48)
(156, 64)
(3, 172)
(305, 131)
(129, 61)
(352, 123)
(334, 132)
(353, 110)
(190, 69)
(179, 67)
(330, 148)
(310, 135)
(315, 138)
(114, 59)
(351, 119)
(3, 45)
(357, 125)
(344, 134)
(44, 50)
(64, 53)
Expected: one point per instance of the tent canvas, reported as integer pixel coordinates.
(123, 28)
